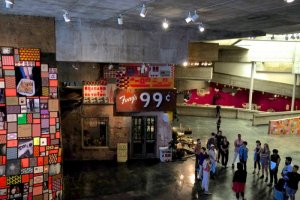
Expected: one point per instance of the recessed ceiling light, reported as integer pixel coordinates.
(9, 3)
(66, 16)
(189, 18)
(143, 11)
(165, 24)
(120, 20)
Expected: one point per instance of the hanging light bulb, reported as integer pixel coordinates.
(143, 11)
(289, 1)
(165, 24)
(66, 16)
(9, 3)
(120, 20)
(195, 16)
(189, 18)
(201, 28)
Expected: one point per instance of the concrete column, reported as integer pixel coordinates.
(253, 69)
(294, 91)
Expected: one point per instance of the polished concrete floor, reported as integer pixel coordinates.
(175, 180)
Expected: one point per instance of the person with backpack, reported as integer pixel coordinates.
(239, 181)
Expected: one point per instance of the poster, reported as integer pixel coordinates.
(28, 81)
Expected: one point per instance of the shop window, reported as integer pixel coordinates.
(94, 132)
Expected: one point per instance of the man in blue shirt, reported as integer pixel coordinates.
(243, 154)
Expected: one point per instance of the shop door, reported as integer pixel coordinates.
(143, 137)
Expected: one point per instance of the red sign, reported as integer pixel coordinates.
(145, 100)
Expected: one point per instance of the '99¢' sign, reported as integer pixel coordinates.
(145, 100)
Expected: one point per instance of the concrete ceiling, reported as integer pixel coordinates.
(238, 16)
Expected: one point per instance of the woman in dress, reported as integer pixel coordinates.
(265, 161)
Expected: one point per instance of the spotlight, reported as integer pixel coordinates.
(120, 20)
(143, 11)
(66, 16)
(189, 18)
(289, 1)
(9, 3)
(195, 16)
(201, 28)
(165, 24)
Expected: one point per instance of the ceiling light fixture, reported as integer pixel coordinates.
(66, 16)
(120, 20)
(201, 28)
(9, 3)
(289, 1)
(195, 16)
(143, 11)
(165, 24)
(189, 18)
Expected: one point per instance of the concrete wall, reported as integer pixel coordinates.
(94, 42)
(244, 70)
(27, 31)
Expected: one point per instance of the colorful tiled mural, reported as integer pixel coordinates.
(288, 126)
(30, 139)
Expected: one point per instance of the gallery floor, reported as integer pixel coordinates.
(175, 180)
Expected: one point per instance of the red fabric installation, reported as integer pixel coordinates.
(264, 101)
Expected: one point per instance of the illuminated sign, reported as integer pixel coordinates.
(145, 100)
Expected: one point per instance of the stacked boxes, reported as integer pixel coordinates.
(30, 139)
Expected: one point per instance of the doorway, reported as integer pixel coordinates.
(144, 137)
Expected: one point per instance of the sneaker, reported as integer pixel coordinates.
(261, 177)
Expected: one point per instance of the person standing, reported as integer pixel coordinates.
(275, 160)
(218, 124)
(206, 172)
(239, 181)
(257, 152)
(292, 183)
(224, 148)
(211, 141)
(265, 161)
(212, 157)
(201, 158)
(197, 151)
(287, 168)
(237, 144)
(218, 111)
(219, 138)
(243, 154)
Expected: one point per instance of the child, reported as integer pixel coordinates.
(239, 181)
(206, 171)
(257, 151)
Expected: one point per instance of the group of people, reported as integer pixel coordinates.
(265, 164)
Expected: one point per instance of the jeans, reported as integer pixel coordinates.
(224, 157)
(244, 162)
(273, 174)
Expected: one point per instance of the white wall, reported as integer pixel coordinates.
(244, 70)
